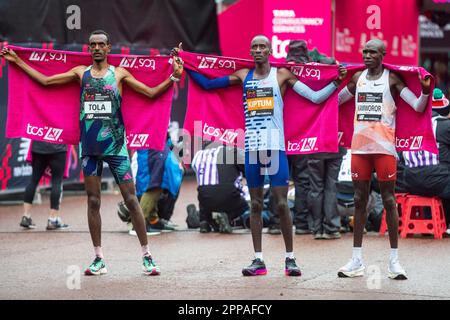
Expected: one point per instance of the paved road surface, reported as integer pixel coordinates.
(45, 265)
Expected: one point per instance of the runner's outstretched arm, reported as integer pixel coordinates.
(206, 83)
(317, 96)
(216, 83)
(60, 78)
(418, 104)
(154, 92)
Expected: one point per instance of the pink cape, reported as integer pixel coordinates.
(52, 113)
(219, 114)
(309, 128)
(413, 129)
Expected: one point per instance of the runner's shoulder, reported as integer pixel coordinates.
(121, 72)
(241, 73)
(79, 70)
(394, 77)
(356, 76)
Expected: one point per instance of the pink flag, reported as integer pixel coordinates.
(219, 114)
(52, 113)
(413, 129)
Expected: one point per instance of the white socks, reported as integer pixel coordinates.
(145, 250)
(289, 255)
(357, 253)
(259, 255)
(394, 255)
(98, 252)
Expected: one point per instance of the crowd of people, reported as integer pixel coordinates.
(225, 202)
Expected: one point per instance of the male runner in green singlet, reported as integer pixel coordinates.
(103, 135)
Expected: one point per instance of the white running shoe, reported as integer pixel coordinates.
(395, 271)
(353, 268)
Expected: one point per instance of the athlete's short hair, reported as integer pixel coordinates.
(100, 32)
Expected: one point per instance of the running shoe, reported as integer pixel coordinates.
(395, 271)
(353, 268)
(56, 225)
(301, 231)
(318, 236)
(149, 267)
(223, 222)
(291, 268)
(123, 212)
(205, 227)
(274, 229)
(159, 226)
(132, 232)
(96, 268)
(27, 223)
(169, 223)
(331, 236)
(257, 268)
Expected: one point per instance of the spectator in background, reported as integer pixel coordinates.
(315, 175)
(46, 155)
(323, 169)
(156, 160)
(298, 53)
(442, 76)
(158, 180)
(219, 174)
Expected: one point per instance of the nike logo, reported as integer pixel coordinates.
(377, 84)
(391, 175)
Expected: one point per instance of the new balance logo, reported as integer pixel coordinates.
(139, 140)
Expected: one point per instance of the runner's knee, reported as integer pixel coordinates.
(93, 203)
(257, 206)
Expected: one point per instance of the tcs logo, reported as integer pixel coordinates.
(216, 63)
(135, 63)
(412, 143)
(48, 133)
(304, 145)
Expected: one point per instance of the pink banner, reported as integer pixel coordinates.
(283, 20)
(52, 113)
(413, 129)
(395, 22)
(219, 114)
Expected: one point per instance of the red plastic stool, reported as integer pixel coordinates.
(400, 199)
(414, 220)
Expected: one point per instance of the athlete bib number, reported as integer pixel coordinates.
(99, 108)
(260, 102)
(369, 106)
